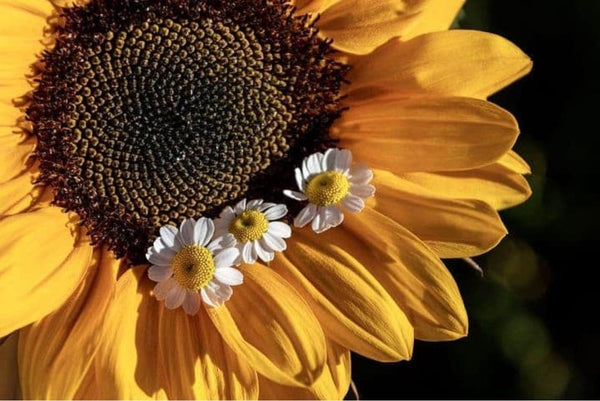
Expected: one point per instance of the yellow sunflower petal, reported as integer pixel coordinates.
(451, 228)
(17, 14)
(198, 364)
(21, 28)
(332, 385)
(9, 375)
(43, 258)
(270, 325)
(412, 274)
(89, 388)
(432, 16)
(456, 62)
(19, 194)
(339, 362)
(354, 309)
(360, 26)
(131, 370)
(426, 133)
(312, 6)
(514, 162)
(57, 351)
(495, 184)
(14, 155)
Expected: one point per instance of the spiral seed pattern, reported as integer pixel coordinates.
(149, 112)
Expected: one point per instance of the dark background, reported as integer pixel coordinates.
(534, 316)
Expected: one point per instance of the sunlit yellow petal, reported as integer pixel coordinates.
(412, 274)
(15, 153)
(456, 62)
(514, 162)
(432, 16)
(354, 309)
(55, 352)
(452, 228)
(198, 364)
(312, 6)
(19, 194)
(267, 323)
(333, 383)
(132, 369)
(495, 184)
(43, 257)
(21, 29)
(359, 26)
(403, 134)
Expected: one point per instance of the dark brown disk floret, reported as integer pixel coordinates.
(151, 111)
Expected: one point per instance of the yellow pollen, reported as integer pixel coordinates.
(193, 267)
(249, 226)
(327, 188)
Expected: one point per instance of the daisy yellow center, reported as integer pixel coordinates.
(328, 188)
(193, 267)
(249, 226)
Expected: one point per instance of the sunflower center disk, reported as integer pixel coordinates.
(193, 267)
(328, 188)
(152, 111)
(249, 226)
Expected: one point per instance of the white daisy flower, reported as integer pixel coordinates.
(190, 265)
(327, 181)
(256, 232)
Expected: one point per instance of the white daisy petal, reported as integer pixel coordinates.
(276, 212)
(299, 179)
(186, 232)
(216, 294)
(221, 242)
(360, 174)
(159, 273)
(226, 257)
(333, 216)
(209, 297)
(313, 164)
(240, 206)
(203, 231)
(329, 159)
(327, 217)
(279, 229)
(162, 248)
(265, 206)
(363, 191)
(343, 160)
(229, 276)
(253, 204)
(248, 254)
(158, 259)
(162, 289)
(224, 292)
(168, 233)
(318, 222)
(175, 297)
(299, 196)
(353, 203)
(226, 212)
(191, 303)
(273, 242)
(263, 254)
(306, 215)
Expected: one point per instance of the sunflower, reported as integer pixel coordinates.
(364, 125)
